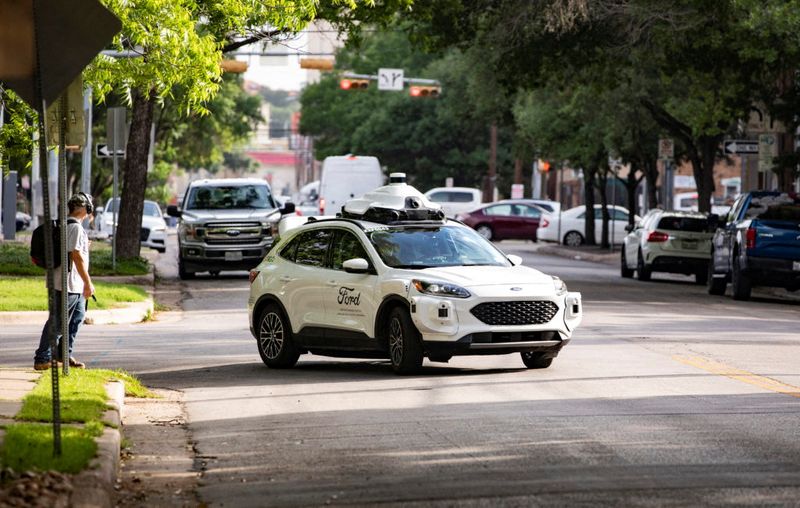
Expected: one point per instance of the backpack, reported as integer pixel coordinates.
(38, 247)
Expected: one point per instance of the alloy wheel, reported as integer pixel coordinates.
(271, 335)
(396, 341)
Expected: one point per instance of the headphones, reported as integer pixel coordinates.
(83, 199)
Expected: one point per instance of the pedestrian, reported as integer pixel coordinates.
(79, 284)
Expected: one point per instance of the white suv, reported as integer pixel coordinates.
(392, 278)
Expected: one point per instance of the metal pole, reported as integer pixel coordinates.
(86, 160)
(62, 221)
(560, 201)
(114, 200)
(613, 207)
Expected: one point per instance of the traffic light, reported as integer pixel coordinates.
(353, 84)
(544, 166)
(425, 90)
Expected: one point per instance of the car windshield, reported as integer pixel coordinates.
(691, 224)
(426, 247)
(230, 196)
(151, 209)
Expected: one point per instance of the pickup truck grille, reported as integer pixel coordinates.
(535, 312)
(232, 233)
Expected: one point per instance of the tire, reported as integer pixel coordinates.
(573, 239)
(162, 251)
(275, 344)
(624, 271)
(485, 231)
(642, 272)
(405, 344)
(535, 360)
(701, 277)
(740, 281)
(183, 273)
(714, 286)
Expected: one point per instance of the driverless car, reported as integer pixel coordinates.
(390, 277)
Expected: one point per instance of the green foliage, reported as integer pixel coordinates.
(15, 260)
(29, 293)
(157, 188)
(16, 135)
(29, 447)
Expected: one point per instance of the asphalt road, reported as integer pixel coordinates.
(665, 396)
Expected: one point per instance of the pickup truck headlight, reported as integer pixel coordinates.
(559, 285)
(437, 288)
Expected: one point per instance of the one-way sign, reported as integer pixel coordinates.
(741, 146)
(102, 151)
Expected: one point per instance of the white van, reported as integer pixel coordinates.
(456, 200)
(345, 177)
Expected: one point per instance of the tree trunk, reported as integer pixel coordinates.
(631, 184)
(134, 177)
(651, 174)
(588, 189)
(703, 166)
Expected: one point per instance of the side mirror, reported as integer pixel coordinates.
(356, 265)
(288, 208)
(713, 222)
(515, 260)
(630, 227)
(173, 211)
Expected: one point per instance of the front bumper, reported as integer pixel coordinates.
(156, 239)
(198, 255)
(448, 326)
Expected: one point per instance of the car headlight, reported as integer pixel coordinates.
(559, 285)
(440, 288)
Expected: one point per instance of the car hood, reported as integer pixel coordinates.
(478, 276)
(229, 215)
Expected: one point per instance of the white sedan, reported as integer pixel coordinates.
(569, 227)
(154, 228)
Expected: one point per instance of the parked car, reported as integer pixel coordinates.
(455, 200)
(306, 200)
(23, 221)
(225, 224)
(573, 225)
(675, 242)
(504, 220)
(370, 286)
(757, 244)
(551, 207)
(153, 230)
(346, 177)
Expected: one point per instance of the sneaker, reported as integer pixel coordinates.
(73, 362)
(41, 366)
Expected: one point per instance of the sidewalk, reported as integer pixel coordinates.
(91, 487)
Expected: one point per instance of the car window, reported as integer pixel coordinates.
(151, 209)
(529, 211)
(312, 247)
(618, 214)
(782, 207)
(546, 206)
(346, 246)
(499, 210)
(691, 224)
(461, 197)
(582, 215)
(440, 197)
(230, 196)
(735, 209)
(407, 247)
(289, 251)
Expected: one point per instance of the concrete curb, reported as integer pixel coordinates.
(133, 312)
(597, 257)
(94, 487)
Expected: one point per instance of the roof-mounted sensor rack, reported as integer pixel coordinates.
(392, 203)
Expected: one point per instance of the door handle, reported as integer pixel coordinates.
(286, 278)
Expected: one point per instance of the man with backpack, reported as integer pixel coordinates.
(79, 284)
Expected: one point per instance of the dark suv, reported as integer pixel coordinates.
(757, 245)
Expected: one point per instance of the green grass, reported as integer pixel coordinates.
(29, 446)
(29, 293)
(15, 259)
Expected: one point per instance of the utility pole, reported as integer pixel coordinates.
(488, 187)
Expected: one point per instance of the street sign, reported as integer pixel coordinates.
(740, 146)
(390, 79)
(666, 148)
(517, 190)
(116, 129)
(767, 150)
(102, 151)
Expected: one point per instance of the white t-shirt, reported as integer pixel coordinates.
(77, 240)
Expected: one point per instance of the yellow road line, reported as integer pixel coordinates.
(738, 374)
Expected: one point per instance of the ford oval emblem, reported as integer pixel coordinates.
(233, 232)
(516, 289)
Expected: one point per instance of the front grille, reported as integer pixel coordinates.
(144, 234)
(230, 233)
(535, 312)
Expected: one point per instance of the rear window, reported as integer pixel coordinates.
(692, 224)
(461, 197)
(783, 207)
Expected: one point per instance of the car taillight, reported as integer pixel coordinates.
(751, 238)
(322, 206)
(253, 275)
(544, 223)
(657, 236)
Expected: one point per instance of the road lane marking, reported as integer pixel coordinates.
(738, 374)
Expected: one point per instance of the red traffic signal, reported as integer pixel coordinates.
(544, 166)
(353, 84)
(425, 91)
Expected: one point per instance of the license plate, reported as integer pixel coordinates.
(235, 255)
(689, 244)
(796, 265)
